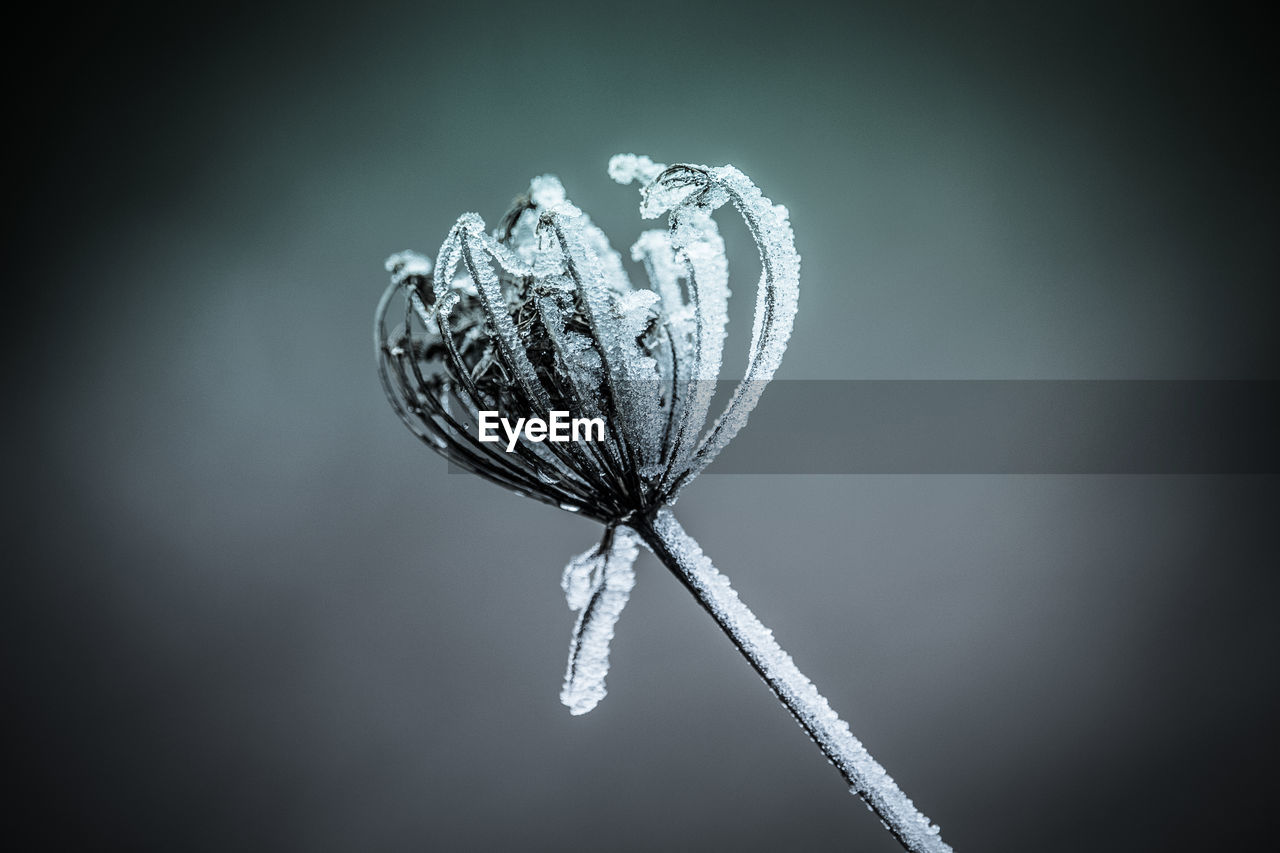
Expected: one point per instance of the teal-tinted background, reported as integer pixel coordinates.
(252, 613)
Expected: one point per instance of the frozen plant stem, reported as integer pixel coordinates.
(684, 558)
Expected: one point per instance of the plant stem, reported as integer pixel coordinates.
(684, 558)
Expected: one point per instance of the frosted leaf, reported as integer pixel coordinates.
(658, 198)
(462, 283)
(702, 250)
(675, 350)
(779, 286)
(610, 261)
(404, 268)
(579, 578)
(678, 186)
(445, 304)
(476, 254)
(655, 252)
(633, 308)
(546, 192)
(447, 260)
(547, 196)
(510, 261)
(689, 191)
(690, 194)
(526, 238)
(427, 315)
(582, 355)
(813, 712)
(597, 584)
(475, 335)
(709, 274)
(523, 237)
(549, 260)
(625, 168)
(403, 265)
(446, 298)
(576, 354)
(631, 376)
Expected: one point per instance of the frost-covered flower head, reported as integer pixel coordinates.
(539, 315)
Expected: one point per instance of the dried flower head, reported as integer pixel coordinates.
(539, 316)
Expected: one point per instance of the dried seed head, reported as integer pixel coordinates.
(541, 316)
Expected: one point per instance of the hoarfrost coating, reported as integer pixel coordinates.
(597, 584)
(866, 776)
(538, 316)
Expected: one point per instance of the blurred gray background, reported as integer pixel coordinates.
(249, 612)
